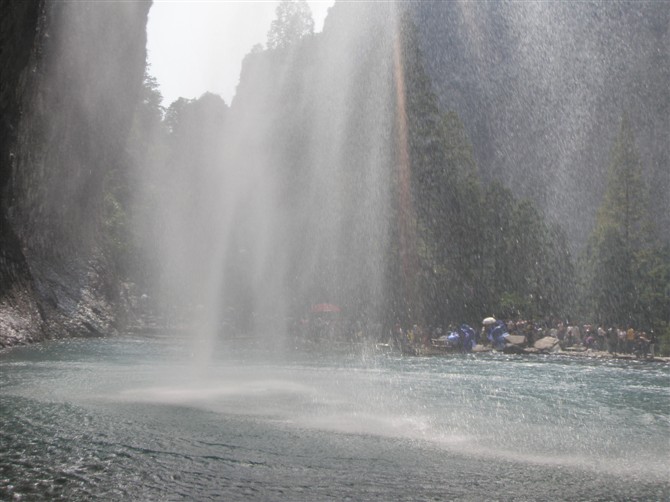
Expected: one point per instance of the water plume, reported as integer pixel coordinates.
(292, 207)
(406, 218)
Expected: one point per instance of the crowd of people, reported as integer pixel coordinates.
(496, 334)
(613, 339)
(492, 333)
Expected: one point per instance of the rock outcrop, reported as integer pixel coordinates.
(547, 344)
(71, 78)
(541, 88)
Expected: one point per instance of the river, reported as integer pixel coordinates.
(142, 418)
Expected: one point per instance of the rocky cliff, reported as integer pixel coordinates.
(71, 75)
(542, 87)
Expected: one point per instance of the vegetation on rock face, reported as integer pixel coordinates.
(541, 86)
(627, 265)
(124, 210)
(66, 112)
(483, 250)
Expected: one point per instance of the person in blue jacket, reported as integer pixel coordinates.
(496, 332)
(468, 337)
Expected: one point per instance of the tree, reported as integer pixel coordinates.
(452, 219)
(479, 249)
(122, 208)
(293, 22)
(625, 201)
(621, 237)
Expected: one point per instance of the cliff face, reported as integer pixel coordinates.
(542, 87)
(314, 122)
(70, 83)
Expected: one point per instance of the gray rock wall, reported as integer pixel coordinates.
(541, 88)
(71, 77)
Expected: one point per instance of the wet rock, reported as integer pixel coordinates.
(516, 340)
(70, 84)
(547, 344)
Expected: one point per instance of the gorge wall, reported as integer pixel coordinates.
(541, 88)
(71, 76)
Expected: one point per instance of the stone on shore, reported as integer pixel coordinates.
(547, 344)
(518, 340)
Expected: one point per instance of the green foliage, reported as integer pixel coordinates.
(663, 339)
(123, 207)
(526, 262)
(115, 227)
(627, 269)
(625, 201)
(653, 290)
(480, 249)
(294, 21)
(196, 127)
(620, 234)
(513, 305)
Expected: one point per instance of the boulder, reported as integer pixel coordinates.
(548, 344)
(518, 340)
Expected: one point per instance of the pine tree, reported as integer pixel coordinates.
(622, 233)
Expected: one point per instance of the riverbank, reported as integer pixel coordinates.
(556, 350)
(547, 346)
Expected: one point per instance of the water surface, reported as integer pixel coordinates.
(143, 418)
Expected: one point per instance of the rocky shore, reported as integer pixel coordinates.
(547, 345)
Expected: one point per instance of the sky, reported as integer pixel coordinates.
(196, 46)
